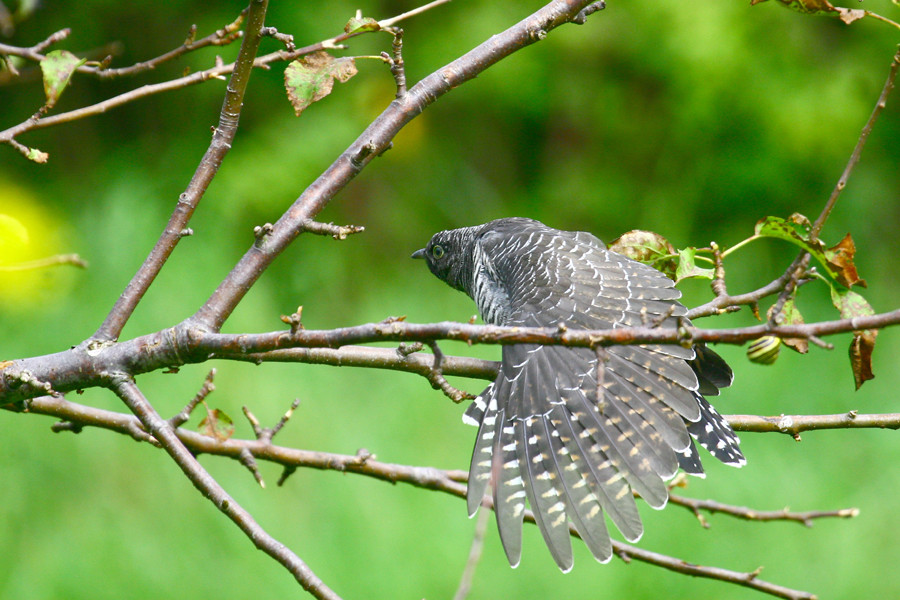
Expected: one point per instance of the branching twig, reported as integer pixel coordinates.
(436, 377)
(217, 72)
(221, 37)
(163, 432)
(223, 136)
(374, 140)
(424, 477)
(750, 514)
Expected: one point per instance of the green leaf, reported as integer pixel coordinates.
(790, 315)
(837, 261)
(687, 266)
(360, 24)
(311, 78)
(850, 304)
(58, 67)
(647, 247)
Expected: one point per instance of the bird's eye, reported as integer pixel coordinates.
(437, 251)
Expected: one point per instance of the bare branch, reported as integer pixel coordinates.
(860, 144)
(86, 365)
(793, 425)
(750, 580)
(750, 514)
(374, 140)
(222, 139)
(162, 431)
(491, 334)
(450, 482)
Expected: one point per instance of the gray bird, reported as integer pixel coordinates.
(573, 431)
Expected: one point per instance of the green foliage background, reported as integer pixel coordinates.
(693, 120)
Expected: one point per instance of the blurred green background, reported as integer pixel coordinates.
(690, 120)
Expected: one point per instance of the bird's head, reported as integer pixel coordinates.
(450, 256)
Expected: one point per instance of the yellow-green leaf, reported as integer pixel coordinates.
(647, 247)
(57, 68)
(311, 78)
(361, 24)
(687, 266)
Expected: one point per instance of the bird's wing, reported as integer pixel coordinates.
(574, 430)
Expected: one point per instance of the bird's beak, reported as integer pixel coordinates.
(418, 253)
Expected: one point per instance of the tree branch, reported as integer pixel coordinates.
(371, 143)
(750, 514)
(165, 435)
(85, 365)
(450, 482)
(222, 139)
(793, 425)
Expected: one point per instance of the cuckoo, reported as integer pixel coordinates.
(572, 432)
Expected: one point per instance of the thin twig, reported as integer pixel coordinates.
(750, 514)
(49, 261)
(205, 390)
(411, 13)
(857, 150)
(468, 574)
(793, 425)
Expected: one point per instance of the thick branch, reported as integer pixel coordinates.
(86, 364)
(373, 141)
(222, 139)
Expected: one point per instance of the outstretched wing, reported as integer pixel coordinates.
(571, 430)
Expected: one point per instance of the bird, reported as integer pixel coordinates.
(573, 431)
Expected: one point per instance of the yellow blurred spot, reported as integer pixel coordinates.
(28, 231)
